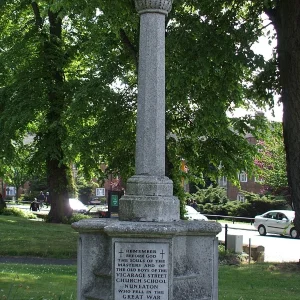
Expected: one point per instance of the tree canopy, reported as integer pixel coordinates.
(271, 162)
(69, 76)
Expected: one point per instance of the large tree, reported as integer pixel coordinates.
(203, 80)
(285, 16)
(51, 62)
(70, 76)
(33, 95)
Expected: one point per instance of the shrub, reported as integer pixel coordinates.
(213, 201)
(13, 212)
(76, 218)
(214, 195)
(18, 213)
(28, 198)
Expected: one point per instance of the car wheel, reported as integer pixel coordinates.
(262, 230)
(294, 233)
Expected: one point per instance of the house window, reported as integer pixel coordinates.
(240, 197)
(222, 181)
(243, 177)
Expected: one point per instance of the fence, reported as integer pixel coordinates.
(232, 218)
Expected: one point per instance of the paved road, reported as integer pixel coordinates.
(277, 248)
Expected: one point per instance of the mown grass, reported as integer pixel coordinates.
(245, 282)
(37, 282)
(264, 281)
(23, 237)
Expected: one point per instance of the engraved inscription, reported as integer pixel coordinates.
(141, 271)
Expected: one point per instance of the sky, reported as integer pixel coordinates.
(262, 47)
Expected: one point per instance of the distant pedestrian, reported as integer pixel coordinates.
(48, 201)
(41, 199)
(34, 206)
(194, 204)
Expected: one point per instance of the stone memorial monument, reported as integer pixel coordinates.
(148, 252)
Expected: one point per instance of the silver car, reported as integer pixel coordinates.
(77, 206)
(278, 222)
(193, 214)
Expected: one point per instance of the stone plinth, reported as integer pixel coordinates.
(149, 198)
(146, 260)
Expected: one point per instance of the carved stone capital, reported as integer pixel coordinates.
(155, 6)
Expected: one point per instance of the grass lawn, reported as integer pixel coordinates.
(23, 237)
(37, 282)
(265, 281)
(254, 282)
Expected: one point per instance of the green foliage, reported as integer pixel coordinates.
(85, 189)
(213, 201)
(75, 218)
(271, 161)
(214, 195)
(76, 89)
(28, 198)
(17, 213)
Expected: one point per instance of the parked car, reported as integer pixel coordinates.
(77, 206)
(193, 214)
(278, 222)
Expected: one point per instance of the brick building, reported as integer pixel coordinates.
(249, 184)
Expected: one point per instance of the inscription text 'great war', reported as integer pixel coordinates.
(141, 271)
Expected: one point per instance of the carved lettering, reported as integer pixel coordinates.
(145, 273)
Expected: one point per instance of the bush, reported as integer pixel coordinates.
(28, 198)
(17, 212)
(212, 201)
(214, 195)
(76, 218)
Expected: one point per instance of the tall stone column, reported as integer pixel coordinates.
(148, 253)
(149, 194)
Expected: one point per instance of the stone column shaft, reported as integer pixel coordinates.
(150, 143)
(149, 193)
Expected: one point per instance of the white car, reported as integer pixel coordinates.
(77, 206)
(278, 222)
(193, 214)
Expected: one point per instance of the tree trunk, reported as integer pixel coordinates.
(58, 187)
(57, 170)
(286, 19)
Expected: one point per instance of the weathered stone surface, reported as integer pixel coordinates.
(113, 227)
(192, 258)
(163, 6)
(149, 208)
(149, 186)
(149, 194)
(150, 139)
(111, 252)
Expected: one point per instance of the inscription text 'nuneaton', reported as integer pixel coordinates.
(141, 271)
